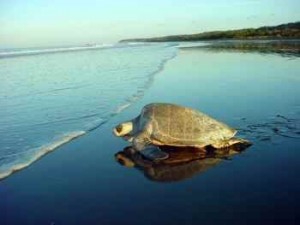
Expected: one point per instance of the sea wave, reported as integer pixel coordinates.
(37, 51)
(22, 52)
(128, 82)
(39, 153)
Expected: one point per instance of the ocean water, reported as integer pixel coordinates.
(50, 96)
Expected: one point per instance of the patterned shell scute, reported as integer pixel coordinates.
(174, 124)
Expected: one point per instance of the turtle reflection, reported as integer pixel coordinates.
(182, 163)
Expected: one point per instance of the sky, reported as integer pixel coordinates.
(32, 23)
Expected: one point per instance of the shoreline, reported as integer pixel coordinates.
(83, 184)
(41, 153)
(64, 140)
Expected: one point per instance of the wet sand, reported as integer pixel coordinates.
(80, 183)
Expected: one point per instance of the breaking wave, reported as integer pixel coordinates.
(24, 52)
(39, 153)
(48, 97)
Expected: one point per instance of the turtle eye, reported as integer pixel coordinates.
(119, 128)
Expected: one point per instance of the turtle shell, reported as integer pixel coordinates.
(180, 126)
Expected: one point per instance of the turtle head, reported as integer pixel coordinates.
(123, 129)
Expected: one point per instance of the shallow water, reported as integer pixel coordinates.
(256, 93)
(49, 99)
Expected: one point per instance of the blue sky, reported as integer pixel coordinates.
(25, 23)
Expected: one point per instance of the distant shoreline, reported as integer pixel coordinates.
(284, 47)
(281, 32)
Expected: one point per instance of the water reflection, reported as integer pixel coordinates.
(182, 163)
(289, 48)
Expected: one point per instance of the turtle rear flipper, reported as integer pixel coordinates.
(154, 153)
(232, 142)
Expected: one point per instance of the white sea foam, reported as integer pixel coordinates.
(21, 52)
(41, 152)
(72, 92)
(122, 107)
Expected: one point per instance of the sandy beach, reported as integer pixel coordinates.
(81, 183)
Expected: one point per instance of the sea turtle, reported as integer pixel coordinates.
(173, 125)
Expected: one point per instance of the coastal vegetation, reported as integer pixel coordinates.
(283, 47)
(283, 31)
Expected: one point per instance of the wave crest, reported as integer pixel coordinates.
(41, 152)
(87, 91)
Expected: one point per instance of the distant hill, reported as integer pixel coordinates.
(283, 31)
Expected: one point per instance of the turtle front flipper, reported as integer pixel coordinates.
(154, 153)
(142, 144)
(141, 141)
